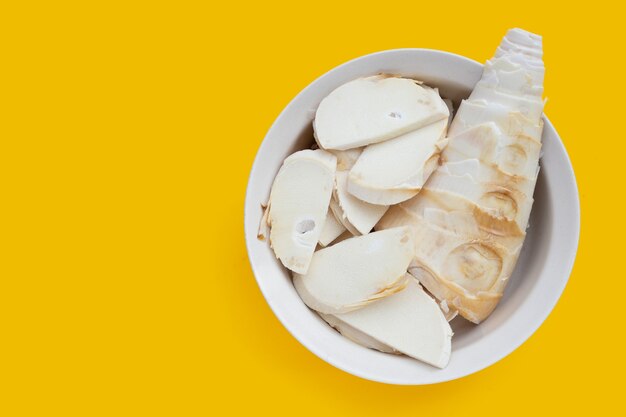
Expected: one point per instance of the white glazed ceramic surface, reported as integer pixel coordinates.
(541, 273)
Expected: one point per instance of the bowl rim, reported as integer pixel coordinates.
(527, 332)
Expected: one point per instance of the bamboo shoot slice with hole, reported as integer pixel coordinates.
(409, 321)
(357, 271)
(360, 214)
(393, 171)
(298, 205)
(374, 109)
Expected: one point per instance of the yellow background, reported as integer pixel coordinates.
(127, 133)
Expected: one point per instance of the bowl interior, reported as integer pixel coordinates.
(541, 272)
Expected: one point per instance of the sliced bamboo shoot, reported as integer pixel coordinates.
(298, 205)
(263, 224)
(340, 215)
(410, 322)
(375, 109)
(332, 229)
(450, 107)
(363, 216)
(355, 335)
(344, 236)
(357, 271)
(395, 170)
(448, 313)
(346, 159)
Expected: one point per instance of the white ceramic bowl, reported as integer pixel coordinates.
(541, 273)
